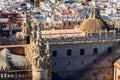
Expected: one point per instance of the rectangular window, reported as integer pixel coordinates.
(95, 51)
(69, 63)
(69, 52)
(69, 79)
(54, 64)
(94, 61)
(109, 50)
(82, 62)
(82, 51)
(54, 53)
(81, 75)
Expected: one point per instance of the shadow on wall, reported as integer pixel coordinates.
(99, 59)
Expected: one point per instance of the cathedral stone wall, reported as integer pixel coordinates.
(93, 62)
(28, 51)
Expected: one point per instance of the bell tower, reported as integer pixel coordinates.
(94, 12)
(40, 56)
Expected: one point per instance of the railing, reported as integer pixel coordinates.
(12, 41)
(66, 38)
(15, 75)
(76, 37)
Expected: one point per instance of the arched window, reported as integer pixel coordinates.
(69, 23)
(64, 24)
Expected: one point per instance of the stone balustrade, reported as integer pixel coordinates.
(22, 74)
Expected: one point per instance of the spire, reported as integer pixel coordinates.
(40, 59)
(47, 49)
(39, 36)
